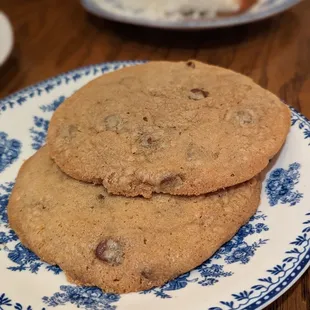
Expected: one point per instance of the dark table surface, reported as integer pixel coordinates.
(53, 36)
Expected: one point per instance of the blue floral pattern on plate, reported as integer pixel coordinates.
(284, 187)
(297, 120)
(280, 186)
(54, 105)
(82, 297)
(300, 246)
(24, 259)
(6, 302)
(8, 235)
(38, 132)
(9, 150)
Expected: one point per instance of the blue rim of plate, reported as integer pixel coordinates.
(245, 18)
(67, 76)
(47, 85)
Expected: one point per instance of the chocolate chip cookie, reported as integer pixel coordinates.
(121, 244)
(183, 128)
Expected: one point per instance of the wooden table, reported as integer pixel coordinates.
(53, 36)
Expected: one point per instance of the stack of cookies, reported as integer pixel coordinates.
(147, 171)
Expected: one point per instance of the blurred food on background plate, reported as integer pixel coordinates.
(178, 9)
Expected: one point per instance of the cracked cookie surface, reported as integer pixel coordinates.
(183, 128)
(117, 243)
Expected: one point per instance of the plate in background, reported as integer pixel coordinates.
(266, 257)
(262, 10)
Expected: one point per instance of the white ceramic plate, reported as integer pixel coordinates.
(6, 38)
(259, 264)
(263, 9)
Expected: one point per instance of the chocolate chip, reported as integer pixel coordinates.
(171, 181)
(147, 274)
(101, 196)
(215, 155)
(244, 117)
(113, 122)
(110, 251)
(148, 141)
(68, 132)
(191, 152)
(190, 64)
(145, 119)
(194, 152)
(198, 94)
